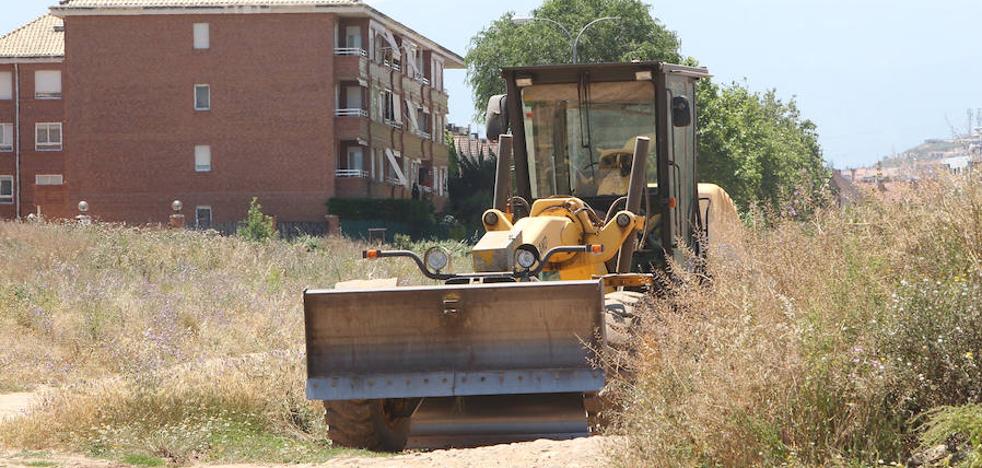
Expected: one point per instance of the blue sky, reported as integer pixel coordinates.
(875, 75)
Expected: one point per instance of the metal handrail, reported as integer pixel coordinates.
(351, 112)
(393, 123)
(351, 51)
(351, 173)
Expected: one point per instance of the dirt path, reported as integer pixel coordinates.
(579, 453)
(13, 405)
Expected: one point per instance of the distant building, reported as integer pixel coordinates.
(32, 116)
(291, 101)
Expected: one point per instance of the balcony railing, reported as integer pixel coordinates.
(393, 180)
(393, 123)
(351, 52)
(351, 112)
(351, 173)
(425, 81)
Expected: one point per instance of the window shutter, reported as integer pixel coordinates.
(397, 107)
(202, 36)
(6, 137)
(47, 83)
(6, 86)
(202, 158)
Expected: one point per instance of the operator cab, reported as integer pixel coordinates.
(575, 127)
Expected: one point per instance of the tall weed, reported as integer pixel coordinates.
(816, 342)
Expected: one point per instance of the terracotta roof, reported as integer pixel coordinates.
(196, 3)
(41, 38)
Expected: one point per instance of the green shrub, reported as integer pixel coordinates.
(401, 216)
(258, 226)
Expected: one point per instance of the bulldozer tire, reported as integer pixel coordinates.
(621, 324)
(621, 321)
(367, 424)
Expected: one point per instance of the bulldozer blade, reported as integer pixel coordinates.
(460, 340)
(488, 420)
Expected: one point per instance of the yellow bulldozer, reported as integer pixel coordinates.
(595, 195)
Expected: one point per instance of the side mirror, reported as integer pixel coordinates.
(681, 111)
(497, 116)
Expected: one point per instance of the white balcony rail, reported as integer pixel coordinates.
(351, 112)
(393, 180)
(425, 81)
(351, 173)
(351, 52)
(393, 123)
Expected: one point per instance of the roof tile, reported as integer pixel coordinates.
(41, 38)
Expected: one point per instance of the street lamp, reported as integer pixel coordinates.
(574, 41)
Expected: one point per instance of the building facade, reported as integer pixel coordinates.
(213, 103)
(32, 115)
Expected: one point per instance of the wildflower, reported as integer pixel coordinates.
(969, 356)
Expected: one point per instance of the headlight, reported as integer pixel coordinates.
(525, 258)
(436, 259)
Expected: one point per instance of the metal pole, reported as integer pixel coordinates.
(502, 178)
(576, 42)
(569, 34)
(635, 194)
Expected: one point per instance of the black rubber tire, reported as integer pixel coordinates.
(621, 324)
(620, 318)
(366, 424)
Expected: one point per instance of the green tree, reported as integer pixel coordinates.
(754, 145)
(635, 35)
(758, 147)
(258, 226)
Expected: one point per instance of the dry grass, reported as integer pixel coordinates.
(819, 342)
(173, 344)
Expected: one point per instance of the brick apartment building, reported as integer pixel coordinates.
(135, 103)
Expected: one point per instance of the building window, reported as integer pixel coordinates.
(356, 156)
(6, 189)
(6, 86)
(388, 106)
(202, 158)
(48, 136)
(6, 137)
(49, 179)
(202, 97)
(202, 36)
(352, 37)
(202, 217)
(47, 84)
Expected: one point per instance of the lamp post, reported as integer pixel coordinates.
(574, 40)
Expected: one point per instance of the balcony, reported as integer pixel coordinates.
(351, 112)
(394, 124)
(351, 173)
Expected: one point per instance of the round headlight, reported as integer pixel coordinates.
(525, 258)
(437, 259)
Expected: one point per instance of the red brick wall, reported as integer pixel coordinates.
(132, 128)
(32, 111)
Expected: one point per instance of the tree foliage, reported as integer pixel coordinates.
(258, 226)
(754, 145)
(635, 35)
(758, 147)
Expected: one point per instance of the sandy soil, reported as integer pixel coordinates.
(16, 404)
(586, 452)
(579, 453)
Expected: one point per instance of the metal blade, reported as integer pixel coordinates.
(510, 338)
